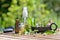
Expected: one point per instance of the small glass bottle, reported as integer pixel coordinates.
(17, 26)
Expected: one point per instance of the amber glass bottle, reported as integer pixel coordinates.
(17, 26)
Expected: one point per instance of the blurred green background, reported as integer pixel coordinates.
(41, 10)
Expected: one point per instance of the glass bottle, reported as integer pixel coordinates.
(17, 26)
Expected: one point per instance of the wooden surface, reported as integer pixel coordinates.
(30, 37)
(9, 36)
